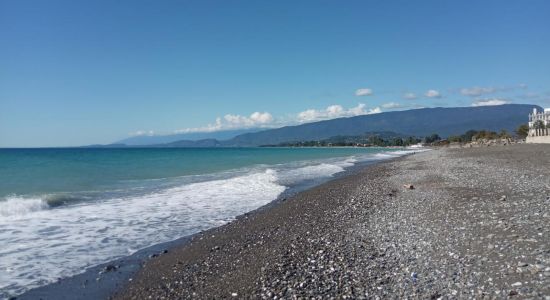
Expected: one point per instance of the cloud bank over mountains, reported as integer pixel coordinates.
(335, 111)
(229, 121)
(265, 119)
(490, 102)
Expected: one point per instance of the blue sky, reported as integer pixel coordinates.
(85, 72)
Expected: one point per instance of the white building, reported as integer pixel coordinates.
(539, 126)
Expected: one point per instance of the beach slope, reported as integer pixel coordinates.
(475, 224)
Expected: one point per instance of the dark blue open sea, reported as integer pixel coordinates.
(64, 210)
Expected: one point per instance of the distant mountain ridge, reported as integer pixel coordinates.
(416, 122)
(444, 121)
(144, 140)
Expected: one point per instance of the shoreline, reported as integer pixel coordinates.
(104, 280)
(210, 236)
(473, 226)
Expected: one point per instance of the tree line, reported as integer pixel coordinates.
(378, 141)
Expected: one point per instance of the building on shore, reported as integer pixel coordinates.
(539, 127)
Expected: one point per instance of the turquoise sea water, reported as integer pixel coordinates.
(42, 171)
(63, 210)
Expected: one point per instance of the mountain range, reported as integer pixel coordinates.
(141, 140)
(416, 122)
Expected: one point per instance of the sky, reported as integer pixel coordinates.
(94, 72)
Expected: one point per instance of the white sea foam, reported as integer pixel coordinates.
(41, 243)
(15, 206)
(397, 153)
(293, 176)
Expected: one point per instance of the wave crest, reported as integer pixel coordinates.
(18, 206)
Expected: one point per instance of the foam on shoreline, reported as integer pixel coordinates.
(115, 228)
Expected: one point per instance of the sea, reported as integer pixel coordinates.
(63, 210)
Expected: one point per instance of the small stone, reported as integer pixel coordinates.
(110, 268)
(516, 284)
(414, 276)
(522, 264)
(512, 293)
(503, 198)
(234, 294)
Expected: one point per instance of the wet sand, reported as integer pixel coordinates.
(476, 224)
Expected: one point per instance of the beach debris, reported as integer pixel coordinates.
(164, 251)
(408, 186)
(513, 293)
(234, 294)
(414, 276)
(110, 268)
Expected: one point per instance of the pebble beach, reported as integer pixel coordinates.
(447, 223)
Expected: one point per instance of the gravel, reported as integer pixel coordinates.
(475, 225)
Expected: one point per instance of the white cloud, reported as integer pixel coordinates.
(255, 119)
(143, 132)
(334, 111)
(409, 96)
(261, 118)
(229, 121)
(217, 126)
(358, 110)
(392, 105)
(433, 94)
(309, 115)
(363, 92)
(490, 102)
(266, 120)
(477, 91)
(375, 110)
